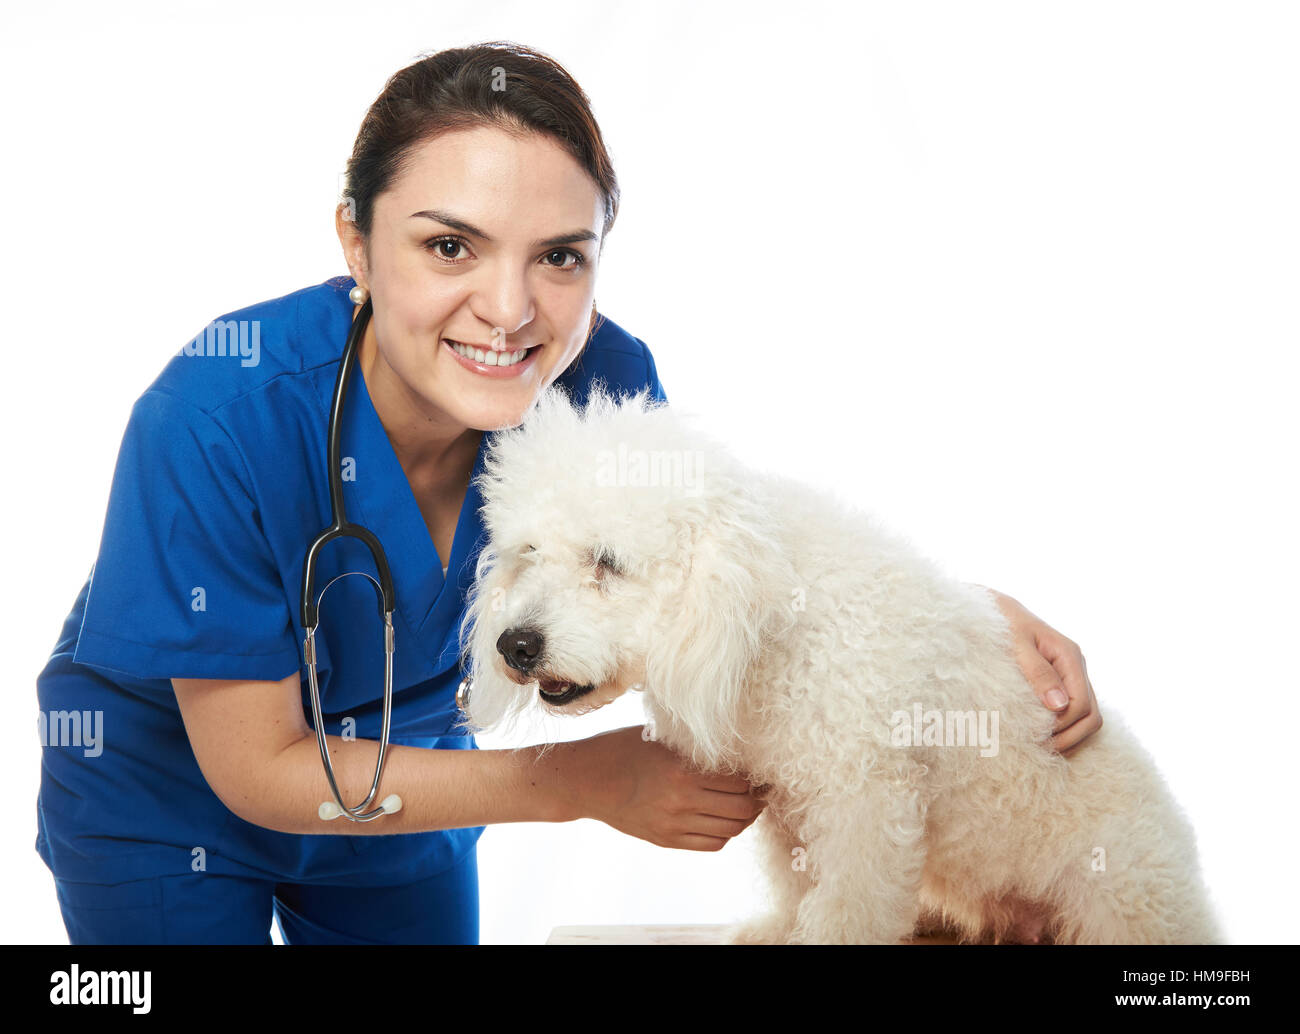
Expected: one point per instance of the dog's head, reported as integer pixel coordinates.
(625, 550)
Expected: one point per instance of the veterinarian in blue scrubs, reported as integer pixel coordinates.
(219, 486)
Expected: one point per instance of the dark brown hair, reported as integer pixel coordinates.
(501, 84)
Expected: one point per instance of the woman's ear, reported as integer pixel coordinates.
(733, 598)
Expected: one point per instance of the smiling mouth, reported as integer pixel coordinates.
(488, 357)
(555, 692)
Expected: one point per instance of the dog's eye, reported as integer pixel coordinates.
(605, 562)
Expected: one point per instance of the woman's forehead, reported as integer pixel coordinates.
(513, 187)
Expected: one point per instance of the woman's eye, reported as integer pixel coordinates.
(565, 253)
(453, 250)
(446, 248)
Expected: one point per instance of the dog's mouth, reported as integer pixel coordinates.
(557, 693)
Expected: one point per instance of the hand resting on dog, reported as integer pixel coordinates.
(642, 788)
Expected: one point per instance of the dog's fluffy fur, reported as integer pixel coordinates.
(778, 633)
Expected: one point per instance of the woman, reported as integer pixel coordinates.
(180, 780)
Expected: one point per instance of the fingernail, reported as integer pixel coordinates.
(1057, 698)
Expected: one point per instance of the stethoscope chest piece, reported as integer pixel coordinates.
(462, 693)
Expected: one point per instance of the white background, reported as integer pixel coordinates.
(1019, 277)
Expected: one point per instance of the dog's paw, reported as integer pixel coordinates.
(764, 930)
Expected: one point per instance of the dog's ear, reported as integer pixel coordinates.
(732, 600)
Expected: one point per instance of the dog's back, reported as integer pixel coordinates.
(889, 671)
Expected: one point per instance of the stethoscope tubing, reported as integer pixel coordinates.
(341, 527)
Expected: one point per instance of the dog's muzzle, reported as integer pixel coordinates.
(557, 693)
(521, 649)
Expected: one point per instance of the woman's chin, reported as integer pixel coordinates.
(493, 409)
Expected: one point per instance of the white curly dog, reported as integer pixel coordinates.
(777, 633)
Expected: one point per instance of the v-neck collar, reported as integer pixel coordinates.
(381, 499)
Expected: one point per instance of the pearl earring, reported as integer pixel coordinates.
(358, 295)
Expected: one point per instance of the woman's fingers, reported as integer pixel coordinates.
(695, 842)
(1038, 671)
(724, 782)
(744, 807)
(1086, 724)
(1066, 741)
(1055, 668)
(1044, 679)
(1082, 717)
(711, 817)
(715, 826)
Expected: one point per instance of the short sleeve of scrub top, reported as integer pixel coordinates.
(186, 584)
(219, 487)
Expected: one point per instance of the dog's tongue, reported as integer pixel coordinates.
(553, 686)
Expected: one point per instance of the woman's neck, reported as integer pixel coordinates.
(434, 450)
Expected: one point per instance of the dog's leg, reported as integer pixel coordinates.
(1122, 864)
(784, 860)
(1145, 894)
(866, 859)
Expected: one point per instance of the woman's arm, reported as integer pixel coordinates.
(1055, 667)
(260, 757)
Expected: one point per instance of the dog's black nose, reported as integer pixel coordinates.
(520, 647)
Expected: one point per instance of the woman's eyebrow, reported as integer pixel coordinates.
(459, 224)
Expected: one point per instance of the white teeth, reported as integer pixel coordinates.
(489, 357)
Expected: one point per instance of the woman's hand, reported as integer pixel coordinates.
(1056, 669)
(645, 790)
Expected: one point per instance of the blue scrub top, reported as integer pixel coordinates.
(219, 487)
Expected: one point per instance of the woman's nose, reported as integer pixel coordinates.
(505, 300)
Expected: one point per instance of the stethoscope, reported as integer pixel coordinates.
(343, 528)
